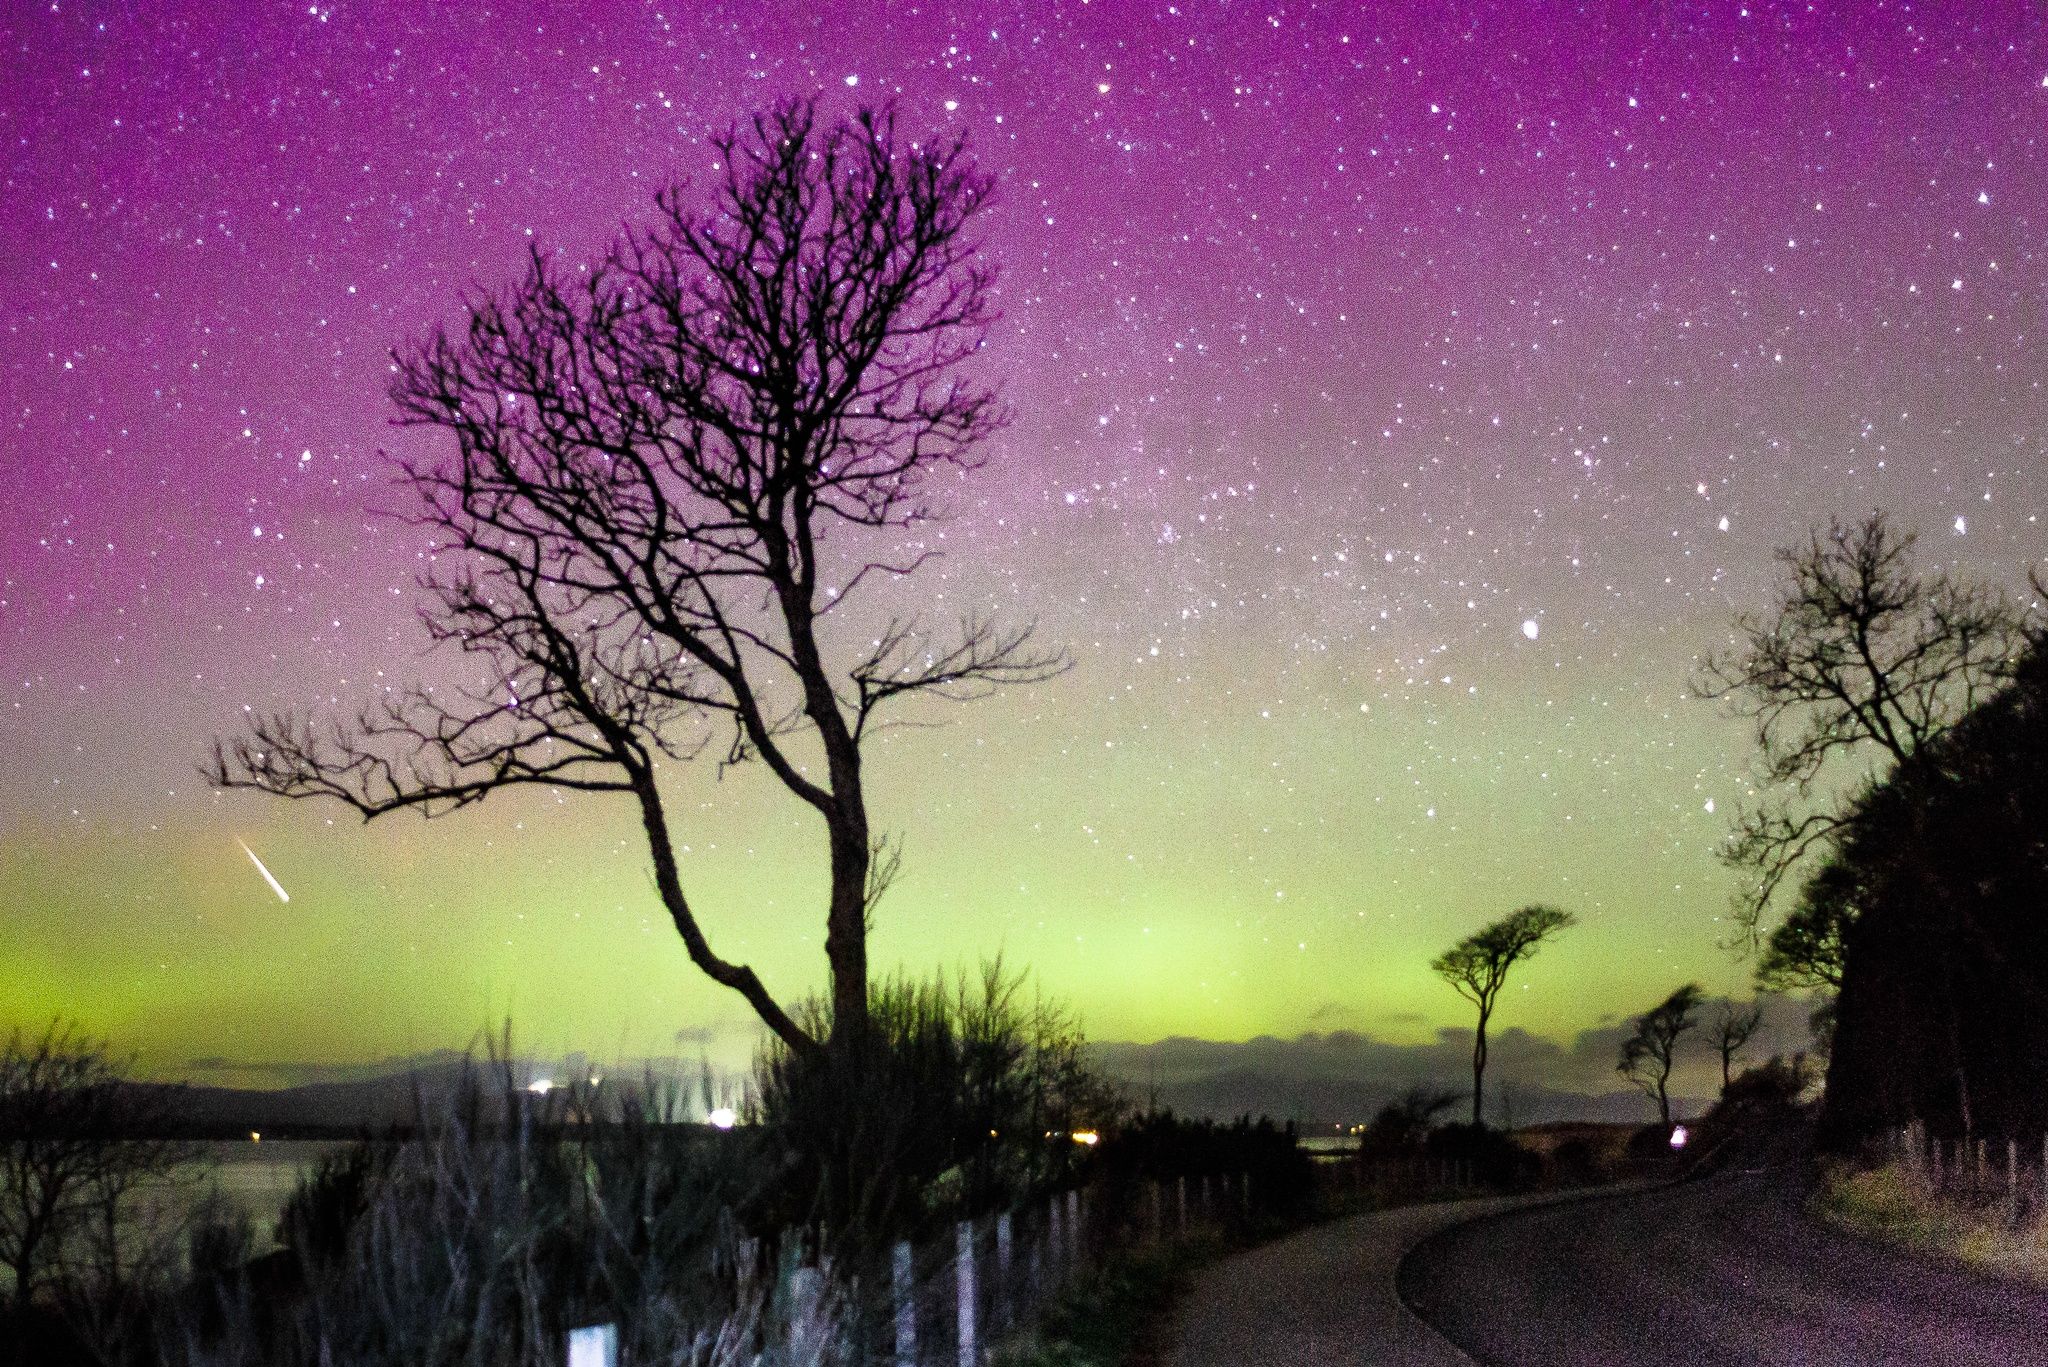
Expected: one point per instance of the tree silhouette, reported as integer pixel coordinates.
(77, 1144)
(1647, 1055)
(666, 472)
(1943, 1011)
(1732, 1029)
(1477, 967)
(1863, 651)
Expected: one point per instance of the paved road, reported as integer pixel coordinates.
(1325, 1295)
(1726, 1270)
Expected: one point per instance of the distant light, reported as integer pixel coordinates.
(255, 1136)
(1531, 628)
(541, 1086)
(1679, 1135)
(724, 1118)
(1962, 526)
(1087, 1137)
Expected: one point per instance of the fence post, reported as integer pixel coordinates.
(2012, 1170)
(1180, 1191)
(1055, 1241)
(1074, 1228)
(806, 1295)
(1158, 1220)
(963, 1279)
(903, 1286)
(596, 1345)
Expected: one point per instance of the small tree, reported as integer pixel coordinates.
(662, 474)
(1647, 1055)
(1477, 967)
(1733, 1026)
(1863, 652)
(77, 1142)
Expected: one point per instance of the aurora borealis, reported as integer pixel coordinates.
(1405, 398)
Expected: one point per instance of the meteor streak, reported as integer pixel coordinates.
(268, 877)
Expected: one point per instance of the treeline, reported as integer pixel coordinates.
(1915, 899)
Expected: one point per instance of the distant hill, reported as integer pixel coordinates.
(319, 1110)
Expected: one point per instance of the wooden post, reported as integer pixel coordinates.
(963, 1280)
(1180, 1189)
(1054, 1243)
(806, 1295)
(1158, 1224)
(1074, 1218)
(2012, 1170)
(903, 1284)
(596, 1345)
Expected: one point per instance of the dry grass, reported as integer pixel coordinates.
(1899, 1205)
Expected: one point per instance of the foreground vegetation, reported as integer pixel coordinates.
(484, 1235)
(1895, 1202)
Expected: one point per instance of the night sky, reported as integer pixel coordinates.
(1404, 402)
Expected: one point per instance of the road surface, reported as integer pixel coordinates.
(1324, 1295)
(1725, 1270)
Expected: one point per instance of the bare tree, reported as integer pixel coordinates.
(76, 1144)
(1863, 651)
(1647, 1056)
(1477, 967)
(656, 461)
(1731, 1032)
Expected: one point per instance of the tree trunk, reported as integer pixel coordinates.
(1478, 1069)
(846, 928)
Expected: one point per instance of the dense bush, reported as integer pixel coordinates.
(963, 1099)
(1161, 1146)
(1402, 1127)
(1490, 1157)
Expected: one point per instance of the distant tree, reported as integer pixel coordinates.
(1731, 1031)
(1863, 652)
(665, 471)
(77, 1144)
(1648, 1055)
(1477, 967)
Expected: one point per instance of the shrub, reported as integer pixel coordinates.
(962, 1100)
(1491, 1157)
(1161, 1146)
(485, 1239)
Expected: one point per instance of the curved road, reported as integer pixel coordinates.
(1726, 1270)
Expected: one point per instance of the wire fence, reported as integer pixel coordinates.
(1976, 1170)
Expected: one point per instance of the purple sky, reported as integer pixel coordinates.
(1343, 340)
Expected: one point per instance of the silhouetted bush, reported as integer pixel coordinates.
(963, 1099)
(1491, 1157)
(1161, 1146)
(485, 1239)
(1401, 1128)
